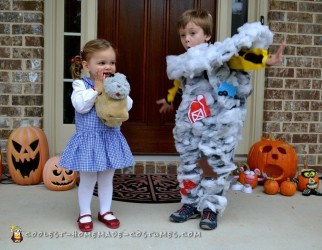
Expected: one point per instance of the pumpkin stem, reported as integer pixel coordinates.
(271, 136)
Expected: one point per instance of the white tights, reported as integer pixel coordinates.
(87, 183)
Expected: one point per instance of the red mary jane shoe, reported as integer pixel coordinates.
(86, 226)
(113, 224)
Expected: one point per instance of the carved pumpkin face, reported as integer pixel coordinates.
(57, 178)
(27, 152)
(308, 179)
(275, 158)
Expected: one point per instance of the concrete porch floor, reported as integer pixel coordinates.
(251, 221)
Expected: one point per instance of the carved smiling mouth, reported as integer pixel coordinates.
(61, 184)
(26, 167)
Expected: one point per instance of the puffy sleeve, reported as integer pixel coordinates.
(129, 103)
(82, 99)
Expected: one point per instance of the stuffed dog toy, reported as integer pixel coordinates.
(111, 105)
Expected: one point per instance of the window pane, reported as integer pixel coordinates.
(239, 16)
(69, 112)
(73, 16)
(71, 49)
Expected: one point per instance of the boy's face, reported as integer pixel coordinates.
(192, 35)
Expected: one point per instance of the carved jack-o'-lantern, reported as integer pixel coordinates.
(274, 158)
(27, 153)
(57, 178)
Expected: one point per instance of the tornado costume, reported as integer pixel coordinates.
(216, 83)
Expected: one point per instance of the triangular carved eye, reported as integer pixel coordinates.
(34, 145)
(17, 146)
(267, 149)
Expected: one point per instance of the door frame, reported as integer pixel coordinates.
(255, 104)
(53, 70)
(58, 133)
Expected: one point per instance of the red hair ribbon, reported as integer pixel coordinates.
(76, 59)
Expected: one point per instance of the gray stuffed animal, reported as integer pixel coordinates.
(111, 105)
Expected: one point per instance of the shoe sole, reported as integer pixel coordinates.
(207, 227)
(180, 221)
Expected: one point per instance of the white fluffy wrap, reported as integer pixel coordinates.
(206, 56)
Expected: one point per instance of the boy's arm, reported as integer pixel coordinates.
(167, 103)
(255, 59)
(278, 57)
(173, 91)
(249, 60)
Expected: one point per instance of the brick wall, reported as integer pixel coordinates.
(21, 66)
(293, 92)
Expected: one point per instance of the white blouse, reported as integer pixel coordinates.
(84, 99)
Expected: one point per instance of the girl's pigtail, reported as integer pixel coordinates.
(76, 67)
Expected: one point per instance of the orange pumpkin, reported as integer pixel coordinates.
(57, 178)
(271, 186)
(274, 158)
(288, 188)
(27, 153)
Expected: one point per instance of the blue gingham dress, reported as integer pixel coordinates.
(95, 147)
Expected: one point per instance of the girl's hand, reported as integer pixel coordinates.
(278, 57)
(98, 81)
(165, 107)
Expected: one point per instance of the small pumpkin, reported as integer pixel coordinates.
(288, 188)
(57, 178)
(271, 186)
(275, 158)
(27, 153)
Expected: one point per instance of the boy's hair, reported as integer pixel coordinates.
(85, 55)
(199, 17)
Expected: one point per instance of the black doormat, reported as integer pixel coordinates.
(145, 188)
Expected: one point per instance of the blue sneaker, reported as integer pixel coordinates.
(185, 213)
(208, 220)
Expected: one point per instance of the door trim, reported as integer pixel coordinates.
(53, 49)
(253, 127)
